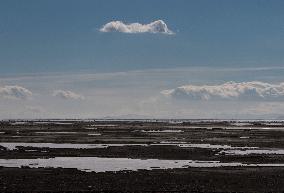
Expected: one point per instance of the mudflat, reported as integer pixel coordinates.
(141, 156)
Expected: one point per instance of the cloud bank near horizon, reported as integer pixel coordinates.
(155, 27)
(66, 94)
(254, 90)
(137, 93)
(15, 92)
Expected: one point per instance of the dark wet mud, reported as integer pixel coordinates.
(251, 143)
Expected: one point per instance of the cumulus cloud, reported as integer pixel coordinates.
(66, 94)
(229, 91)
(15, 92)
(158, 26)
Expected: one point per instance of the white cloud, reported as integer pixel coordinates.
(138, 92)
(15, 92)
(66, 94)
(158, 26)
(229, 91)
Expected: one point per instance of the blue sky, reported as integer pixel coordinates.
(225, 55)
(41, 36)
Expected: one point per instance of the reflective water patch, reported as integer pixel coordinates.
(99, 164)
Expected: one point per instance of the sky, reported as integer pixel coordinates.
(141, 59)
